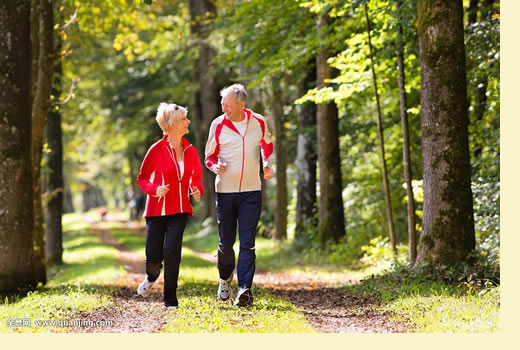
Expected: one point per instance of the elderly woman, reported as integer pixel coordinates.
(170, 172)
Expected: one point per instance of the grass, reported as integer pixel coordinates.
(201, 312)
(79, 285)
(431, 304)
(82, 285)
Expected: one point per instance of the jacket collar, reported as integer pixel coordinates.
(229, 123)
(185, 142)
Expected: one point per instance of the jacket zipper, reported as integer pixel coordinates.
(177, 168)
(243, 155)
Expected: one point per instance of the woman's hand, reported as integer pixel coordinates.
(162, 190)
(195, 193)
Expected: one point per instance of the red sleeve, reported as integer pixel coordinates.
(145, 173)
(212, 145)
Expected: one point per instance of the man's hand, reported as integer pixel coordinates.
(268, 173)
(162, 190)
(219, 168)
(195, 193)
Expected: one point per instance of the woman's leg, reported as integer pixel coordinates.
(155, 231)
(172, 256)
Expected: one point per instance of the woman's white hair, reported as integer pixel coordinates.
(168, 114)
(237, 90)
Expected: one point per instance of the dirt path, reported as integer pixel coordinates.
(129, 312)
(328, 308)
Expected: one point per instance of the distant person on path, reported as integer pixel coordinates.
(170, 173)
(233, 154)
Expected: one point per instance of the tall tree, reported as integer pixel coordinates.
(331, 216)
(306, 157)
(407, 164)
(278, 117)
(386, 186)
(16, 214)
(40, 109)
(448, 228)
(53, 180)
(202, 12)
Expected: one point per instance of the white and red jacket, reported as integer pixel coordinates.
(160, 167)
(241, 153)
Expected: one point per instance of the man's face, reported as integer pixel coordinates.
(230, 107)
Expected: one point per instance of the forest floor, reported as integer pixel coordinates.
(319, 297)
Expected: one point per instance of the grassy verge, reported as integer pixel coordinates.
(431, 304)
(79, 285)
(427, 302)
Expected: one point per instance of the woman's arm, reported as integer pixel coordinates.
(145, 173)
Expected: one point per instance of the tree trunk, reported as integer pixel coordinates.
(54, 179)
(280, 216)
(68, 207)
(16, 214)
(386, 186)
(40, 109)
(207, 99)
(306, 158)
(472, 11)
(448, 228)
(331, 215)
(407, 164)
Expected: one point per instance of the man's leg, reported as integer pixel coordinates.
(227, 230)
(249, 209)
(172, 256)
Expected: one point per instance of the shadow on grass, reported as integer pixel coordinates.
(402, 283)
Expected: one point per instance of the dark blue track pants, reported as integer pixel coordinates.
(164, 243)
(243, 208)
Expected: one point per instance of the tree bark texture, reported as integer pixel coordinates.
(207, 99)
(386, 186)
(448, 227)
(40, 110)
(16, 205)
(407, 164)
(54, 179)
(280, 216)
(331, 215)
(306, 158)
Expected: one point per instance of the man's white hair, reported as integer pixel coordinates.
(168, 114)
(237, 90)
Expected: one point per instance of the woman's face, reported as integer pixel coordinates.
(181, 125)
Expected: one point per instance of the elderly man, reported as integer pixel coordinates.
(232, 153)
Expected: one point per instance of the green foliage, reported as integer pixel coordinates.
(380, 253)
(124, 58)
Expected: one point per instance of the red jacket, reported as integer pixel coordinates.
(160, 167)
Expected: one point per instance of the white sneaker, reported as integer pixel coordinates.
(224, 288)
(145, 288)
(171, 307)
(244, 297)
